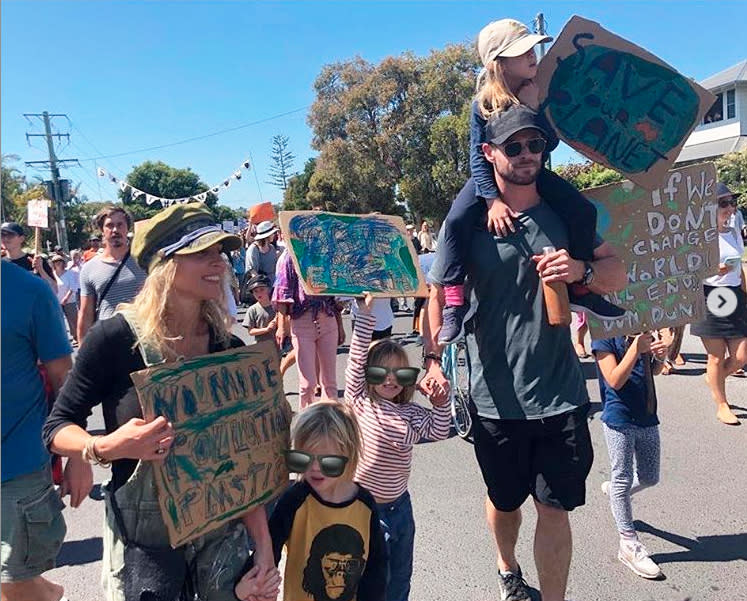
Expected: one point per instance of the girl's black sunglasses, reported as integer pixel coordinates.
(331, 466)
(405, 376)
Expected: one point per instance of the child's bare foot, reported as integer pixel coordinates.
(580, 351)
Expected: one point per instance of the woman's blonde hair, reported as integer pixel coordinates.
(150, 308)
(332, 420)
(381, 352)
(493, 93)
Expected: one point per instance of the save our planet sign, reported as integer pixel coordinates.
(618, 104)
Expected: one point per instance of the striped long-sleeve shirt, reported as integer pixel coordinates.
(389, 430)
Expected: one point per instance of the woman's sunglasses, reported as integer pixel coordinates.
(727, 202)
(332, 466)
(535, 146)
(405, 376)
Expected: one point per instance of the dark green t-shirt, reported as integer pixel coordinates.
(520, 366)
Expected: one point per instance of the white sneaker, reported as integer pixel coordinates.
(634, 555)
(606, 487)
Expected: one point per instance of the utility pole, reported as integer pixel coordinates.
(539, 28)
(52, 165)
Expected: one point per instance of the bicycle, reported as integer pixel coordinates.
(454, 366)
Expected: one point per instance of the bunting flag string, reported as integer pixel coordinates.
(165, 202)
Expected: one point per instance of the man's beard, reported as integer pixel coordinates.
(116, 241)
(511, 175)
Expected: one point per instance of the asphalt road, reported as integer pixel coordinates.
(694, 523)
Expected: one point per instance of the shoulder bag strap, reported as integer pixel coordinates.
(150, 354)
(109, 284)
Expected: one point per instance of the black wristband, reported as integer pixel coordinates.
(433, 356)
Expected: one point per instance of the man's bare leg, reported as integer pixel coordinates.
(552, 551)
(505, 527)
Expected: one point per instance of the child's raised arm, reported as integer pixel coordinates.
(355, 372)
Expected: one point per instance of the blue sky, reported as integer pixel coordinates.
(132, 75)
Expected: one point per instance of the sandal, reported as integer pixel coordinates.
(582, 354)
(739, 373)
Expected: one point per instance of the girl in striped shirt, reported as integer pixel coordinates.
(379, 384)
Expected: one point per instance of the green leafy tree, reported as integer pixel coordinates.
(281, 168)
(732, 170)
(224, 213)
(159, 179)
(79, 214)
(295, 195)
(588, 174)
(384, 135)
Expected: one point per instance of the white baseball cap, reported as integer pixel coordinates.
(506, 38)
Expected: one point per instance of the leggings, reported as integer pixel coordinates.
(630, 446)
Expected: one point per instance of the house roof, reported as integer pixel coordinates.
(731, 75)
(711, 149)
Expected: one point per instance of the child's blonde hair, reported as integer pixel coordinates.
(493, 93)
(331, 420)
(380, 353)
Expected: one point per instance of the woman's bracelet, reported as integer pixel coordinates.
(90, 455)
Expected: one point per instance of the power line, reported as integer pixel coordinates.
(196, 138)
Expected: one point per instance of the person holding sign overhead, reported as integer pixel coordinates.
(725, 331)
(13, 238)
(180, 313)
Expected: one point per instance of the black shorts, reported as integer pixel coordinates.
(546, 458)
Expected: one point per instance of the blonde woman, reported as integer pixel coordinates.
(180, 312)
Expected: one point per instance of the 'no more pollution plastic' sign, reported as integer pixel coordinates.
(668, 240)
(231, 423)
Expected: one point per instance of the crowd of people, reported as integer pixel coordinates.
(171, 290)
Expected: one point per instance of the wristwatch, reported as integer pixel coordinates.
(588, 276)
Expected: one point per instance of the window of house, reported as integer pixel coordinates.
(731, 104)
(716, 112)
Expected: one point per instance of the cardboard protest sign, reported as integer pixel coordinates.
(668, 239)
(231, 423)
(38, 213)
(618, 104)
(263, 211)
(339, 254)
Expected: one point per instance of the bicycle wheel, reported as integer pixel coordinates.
(459, 377)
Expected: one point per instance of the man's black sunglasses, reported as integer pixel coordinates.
(535, 146)
(332, 466)
(405, 376)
